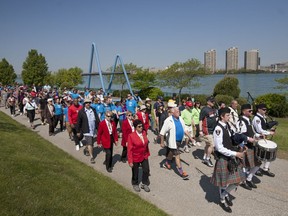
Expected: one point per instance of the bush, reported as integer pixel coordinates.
(151, 92)
(277, 104)
(241, 100)
(227, 86)
(201, 98)
(225, 98)
(119, 93)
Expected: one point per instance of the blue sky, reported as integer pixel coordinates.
(151, 33)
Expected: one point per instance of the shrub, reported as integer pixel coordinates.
(225, 98)
(201, 98)
(151, 92)
(119, 93)
(227, 86)
(276, 103)
(241, 100)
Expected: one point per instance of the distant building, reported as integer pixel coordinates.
(210, 60)
(279, 67)
(251, 60)
(232, 59)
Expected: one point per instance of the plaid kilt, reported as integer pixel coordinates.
(250, 160)
(221, 176)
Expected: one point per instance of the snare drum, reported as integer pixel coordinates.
(265, 150)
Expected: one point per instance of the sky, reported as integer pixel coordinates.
(150, 33)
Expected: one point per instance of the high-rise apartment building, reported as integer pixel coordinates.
(210, 60)
(232, 59)
(251, 60)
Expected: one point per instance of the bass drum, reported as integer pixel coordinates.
(266, 150)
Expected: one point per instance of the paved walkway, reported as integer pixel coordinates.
(179, 197)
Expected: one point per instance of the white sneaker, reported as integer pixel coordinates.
(81, 144)
(186, 149)
(77, 148)
(198, 144)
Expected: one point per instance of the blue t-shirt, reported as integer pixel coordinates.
(179, 129)
(121, 109)
(74, 95)
(98, 107)
(131, 105)
(58, 109)
(65, 112)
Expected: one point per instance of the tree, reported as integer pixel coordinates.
(227, 86)
(283, 83)
(7, 73)
(35, 68)
(143, 79)
(68, 78)
(182, 75)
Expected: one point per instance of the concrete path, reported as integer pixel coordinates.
(175, 196)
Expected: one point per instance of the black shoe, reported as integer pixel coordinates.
(208, 162)
(245, 185)
(228, 201)
(123, 160)
(259, 173)
(251, 184)
(268, 173)
(92, 161)
(85, 152)
(109, 170)
(225, 207)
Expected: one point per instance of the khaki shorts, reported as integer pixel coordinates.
(190, 131)
(208, 139)
(68, 127)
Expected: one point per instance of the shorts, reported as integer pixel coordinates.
(174, 152)
(68, 127)
(89, 140)
(190, 131)
(208, 139)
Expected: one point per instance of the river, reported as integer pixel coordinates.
(256, 84)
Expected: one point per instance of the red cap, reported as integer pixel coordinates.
(189, 104)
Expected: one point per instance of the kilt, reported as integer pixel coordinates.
(221, 176)
(250, 160)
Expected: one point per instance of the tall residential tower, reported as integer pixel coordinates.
(210, 60)
(232, 59)
(251, 60)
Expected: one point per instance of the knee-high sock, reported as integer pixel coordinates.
(252, 173)
(266, 165)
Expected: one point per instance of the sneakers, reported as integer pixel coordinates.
(185, 176)
(136, 188)
(198, 144)
(92, 161)
(208, 162)
(145, 188)
(186, 149)
(166, 165)
(77, 147)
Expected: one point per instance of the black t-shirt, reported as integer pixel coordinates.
(148, 108)
(42, 103)
(162, 116)
(209, 119)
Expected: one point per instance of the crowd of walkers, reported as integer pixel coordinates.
(91, 117)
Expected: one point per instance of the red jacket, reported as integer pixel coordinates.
(137, 150)
(126, 130)
(103, 136)
(140, 117)
(73, 113)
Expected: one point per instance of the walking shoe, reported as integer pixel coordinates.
(166, 165)
(186, 149)
(92, 161)
(185, 176)
(123, 160)
(145, 188)
(109, 170)
(85, 152)
(77, 148)
(251, 184)
(208, 162)
(136, 188)
(268, 173)
(259, 172)
(245, 185)
(228, 201)
(198, 144)
(225, 207)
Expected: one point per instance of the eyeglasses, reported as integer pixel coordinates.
(139, 126)
(108, 116)
(250, 111)
(264, 109)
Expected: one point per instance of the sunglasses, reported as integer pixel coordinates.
(250, 111)
(139, 126)
(108, 116)
(264, 109)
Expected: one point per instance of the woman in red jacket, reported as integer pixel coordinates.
(127, 128)
(138, 153)
(107, 136)
(144, 117)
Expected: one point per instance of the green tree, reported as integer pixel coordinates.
(143, 79)
(68, 78)
(227, 86)
(182, 75)
(283, 83)
(35, 68)
(7, 73)
(50, 79)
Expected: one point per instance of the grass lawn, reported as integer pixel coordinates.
(281, 138)
(37, 178)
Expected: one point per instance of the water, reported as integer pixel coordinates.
(256, 84)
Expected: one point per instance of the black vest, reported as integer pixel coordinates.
(263, 122)
(227, 141)
(249, 132)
